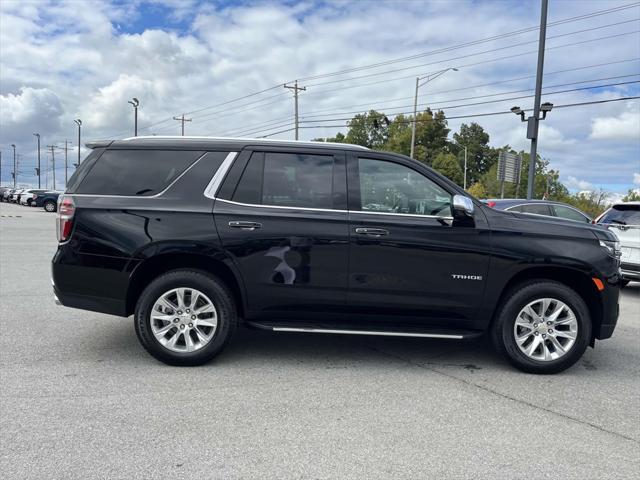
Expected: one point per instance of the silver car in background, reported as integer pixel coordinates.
(624, 219)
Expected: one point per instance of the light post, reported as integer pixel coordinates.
(79, 123)
(38, 169)
(427, 79)
(15, 170)
(532, 134)
(135, 102)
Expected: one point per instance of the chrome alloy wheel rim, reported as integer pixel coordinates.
(545, 329)
(184, 320)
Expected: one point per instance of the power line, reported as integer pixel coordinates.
(419, 55)
(276, 123)
(320, 92)
(411, 67)
(474, 42)
(448, 107)
(474, 115)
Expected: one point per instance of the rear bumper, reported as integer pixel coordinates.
(94, 304)
(90, 282)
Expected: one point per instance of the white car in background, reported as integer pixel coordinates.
(27, 196)
(624, 219)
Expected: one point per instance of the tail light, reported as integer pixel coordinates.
(66, 210)
(491, 204)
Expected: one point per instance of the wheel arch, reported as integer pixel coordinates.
(155, 266)
(577, 280)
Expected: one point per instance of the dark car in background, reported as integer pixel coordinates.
(546, 208)
(47, 200)
(194, 236)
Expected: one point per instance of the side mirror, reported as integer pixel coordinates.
(462, 206)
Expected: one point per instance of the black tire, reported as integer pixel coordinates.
(50, 206)
(502, 333)
(211, 287)
(624, 283)
(29, 202)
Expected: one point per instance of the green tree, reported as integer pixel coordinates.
(368, 129)
(632, 196)
(477, 190)
(480, 156)
(447, 164)
(431, 136)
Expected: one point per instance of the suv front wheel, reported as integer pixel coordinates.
(185, 317)
(542, 327)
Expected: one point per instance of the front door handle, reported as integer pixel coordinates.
(372, 232)
(245, 225)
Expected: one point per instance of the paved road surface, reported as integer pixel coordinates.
(81, 399)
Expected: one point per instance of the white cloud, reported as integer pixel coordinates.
(636, 178)
(575, 184)
(626, 126)
(68, 59)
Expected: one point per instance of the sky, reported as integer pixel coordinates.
(64, 60)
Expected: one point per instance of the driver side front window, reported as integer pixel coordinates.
(393, 188)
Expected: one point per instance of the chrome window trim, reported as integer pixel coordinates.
(214, 184)
(140, 196)
(281, 207)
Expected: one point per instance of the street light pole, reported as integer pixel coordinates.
(15, 169)
(38, 136)
(79, 123)
(135, 102)
(66, 163)
(536, 104)
(427, 79)
(53, 163)
(465, 168)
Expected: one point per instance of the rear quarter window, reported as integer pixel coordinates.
(135, 172)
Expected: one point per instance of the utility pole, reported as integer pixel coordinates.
(182, 119)
(136, 103)
(38, 169)
(427, 79)
(53, 163)
(15, 168)
(79, 123)
(536, 104)
(295, 89)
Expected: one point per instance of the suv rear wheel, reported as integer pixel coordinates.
(50, 206)
(185, 317)
(542, 327)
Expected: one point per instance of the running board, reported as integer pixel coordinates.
(384, 333)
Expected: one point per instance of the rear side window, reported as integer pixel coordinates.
(623, 215)
(82, 169)
(136, 172)
(570, 214)
(536, 208)
(287, 180)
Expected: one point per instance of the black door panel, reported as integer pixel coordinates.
(404, 264)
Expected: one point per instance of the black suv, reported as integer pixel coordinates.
(196, 235)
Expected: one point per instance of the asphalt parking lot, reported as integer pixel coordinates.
(80, 398)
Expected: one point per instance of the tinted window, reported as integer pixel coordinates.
(570, 214)
(394, 188)
(536, 208)
(81, 171)
(135, 172)
(287, 179)
(623, 215)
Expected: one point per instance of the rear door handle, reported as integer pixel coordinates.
(245, 225)
(372, 232)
